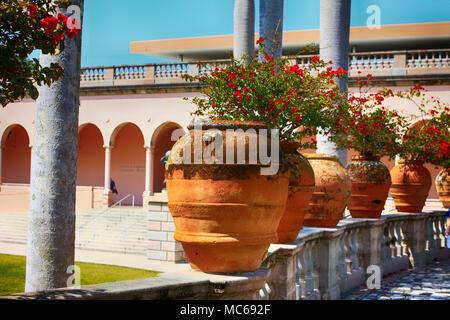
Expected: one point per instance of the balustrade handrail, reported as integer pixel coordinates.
(375, 60)
(101, 213)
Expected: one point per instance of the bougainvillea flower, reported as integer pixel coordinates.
(49, 24)
(32, 11)
(62, 19)
(73, 28)
(58, 37)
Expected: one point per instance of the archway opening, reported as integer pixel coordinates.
(91, 157)
(128, 163)
(162, 142)
(16, 156)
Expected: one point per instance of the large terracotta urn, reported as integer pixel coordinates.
(301, 188)
(443, 186)
(331, 194)
(371, 181)
(226, 214)
(411, 183)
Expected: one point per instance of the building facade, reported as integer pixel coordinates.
(130, 116)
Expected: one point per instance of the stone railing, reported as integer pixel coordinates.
(324, 263)
(380, 64)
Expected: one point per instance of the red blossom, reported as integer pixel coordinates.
(260, 40)
(49, 24)
(32, 11)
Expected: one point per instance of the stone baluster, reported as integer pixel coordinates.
(354, 248)
(300, 274)
(347, 267)
(309, 279)
(315, 268)
(385, 246)
(430, 234)
(264, 292)
(398, 238)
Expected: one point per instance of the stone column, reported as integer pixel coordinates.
(148, 192)
(107, 195)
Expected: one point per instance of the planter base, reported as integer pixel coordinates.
(225, 258)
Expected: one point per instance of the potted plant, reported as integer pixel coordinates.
(367, 126)
(424, 141)
(282, 96)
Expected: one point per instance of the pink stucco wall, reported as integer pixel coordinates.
(16, 156)
(128, 163)
(91, 157)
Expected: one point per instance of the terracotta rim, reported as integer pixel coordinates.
(320, 156)
(411, 162)
(289, 146)
(365, 158)
(226, 124)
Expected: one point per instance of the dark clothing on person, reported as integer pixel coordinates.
(113, 187)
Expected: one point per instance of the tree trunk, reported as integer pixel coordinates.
(244, 30)
(271, 26)
(335, 46)
(51, 231)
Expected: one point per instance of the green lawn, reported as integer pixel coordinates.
(12, 273)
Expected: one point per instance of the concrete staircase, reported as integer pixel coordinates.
(119, 230)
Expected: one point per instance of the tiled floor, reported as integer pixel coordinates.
(431, 282)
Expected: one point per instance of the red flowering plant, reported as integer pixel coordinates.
(25, 26)
(364, 123)
(295, 100)
(426, 136)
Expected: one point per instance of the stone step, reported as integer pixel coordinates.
(121, 231)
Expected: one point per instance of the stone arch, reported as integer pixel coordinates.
(128, 162)
(16, 155)
(91, 156)
(161, 142)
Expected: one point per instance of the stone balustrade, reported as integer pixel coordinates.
(379, 64)
(324, 263)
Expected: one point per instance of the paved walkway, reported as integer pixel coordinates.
(431, 282)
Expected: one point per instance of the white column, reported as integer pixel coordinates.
(397, 159)
(148, 171)
(107, 169)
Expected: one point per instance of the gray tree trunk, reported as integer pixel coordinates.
(244, 30)
(51, 231)
(271, 25)
(335, 46)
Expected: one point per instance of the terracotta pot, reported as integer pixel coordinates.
(330, 197)
(443, 186)
(371, 181)
(411, 183)
(301, 188)
(225, 215)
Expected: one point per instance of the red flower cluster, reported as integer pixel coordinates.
(32, 11)
(67, 25)
(296, 100)
(364, 125)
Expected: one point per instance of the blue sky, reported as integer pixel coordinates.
(110, 25)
